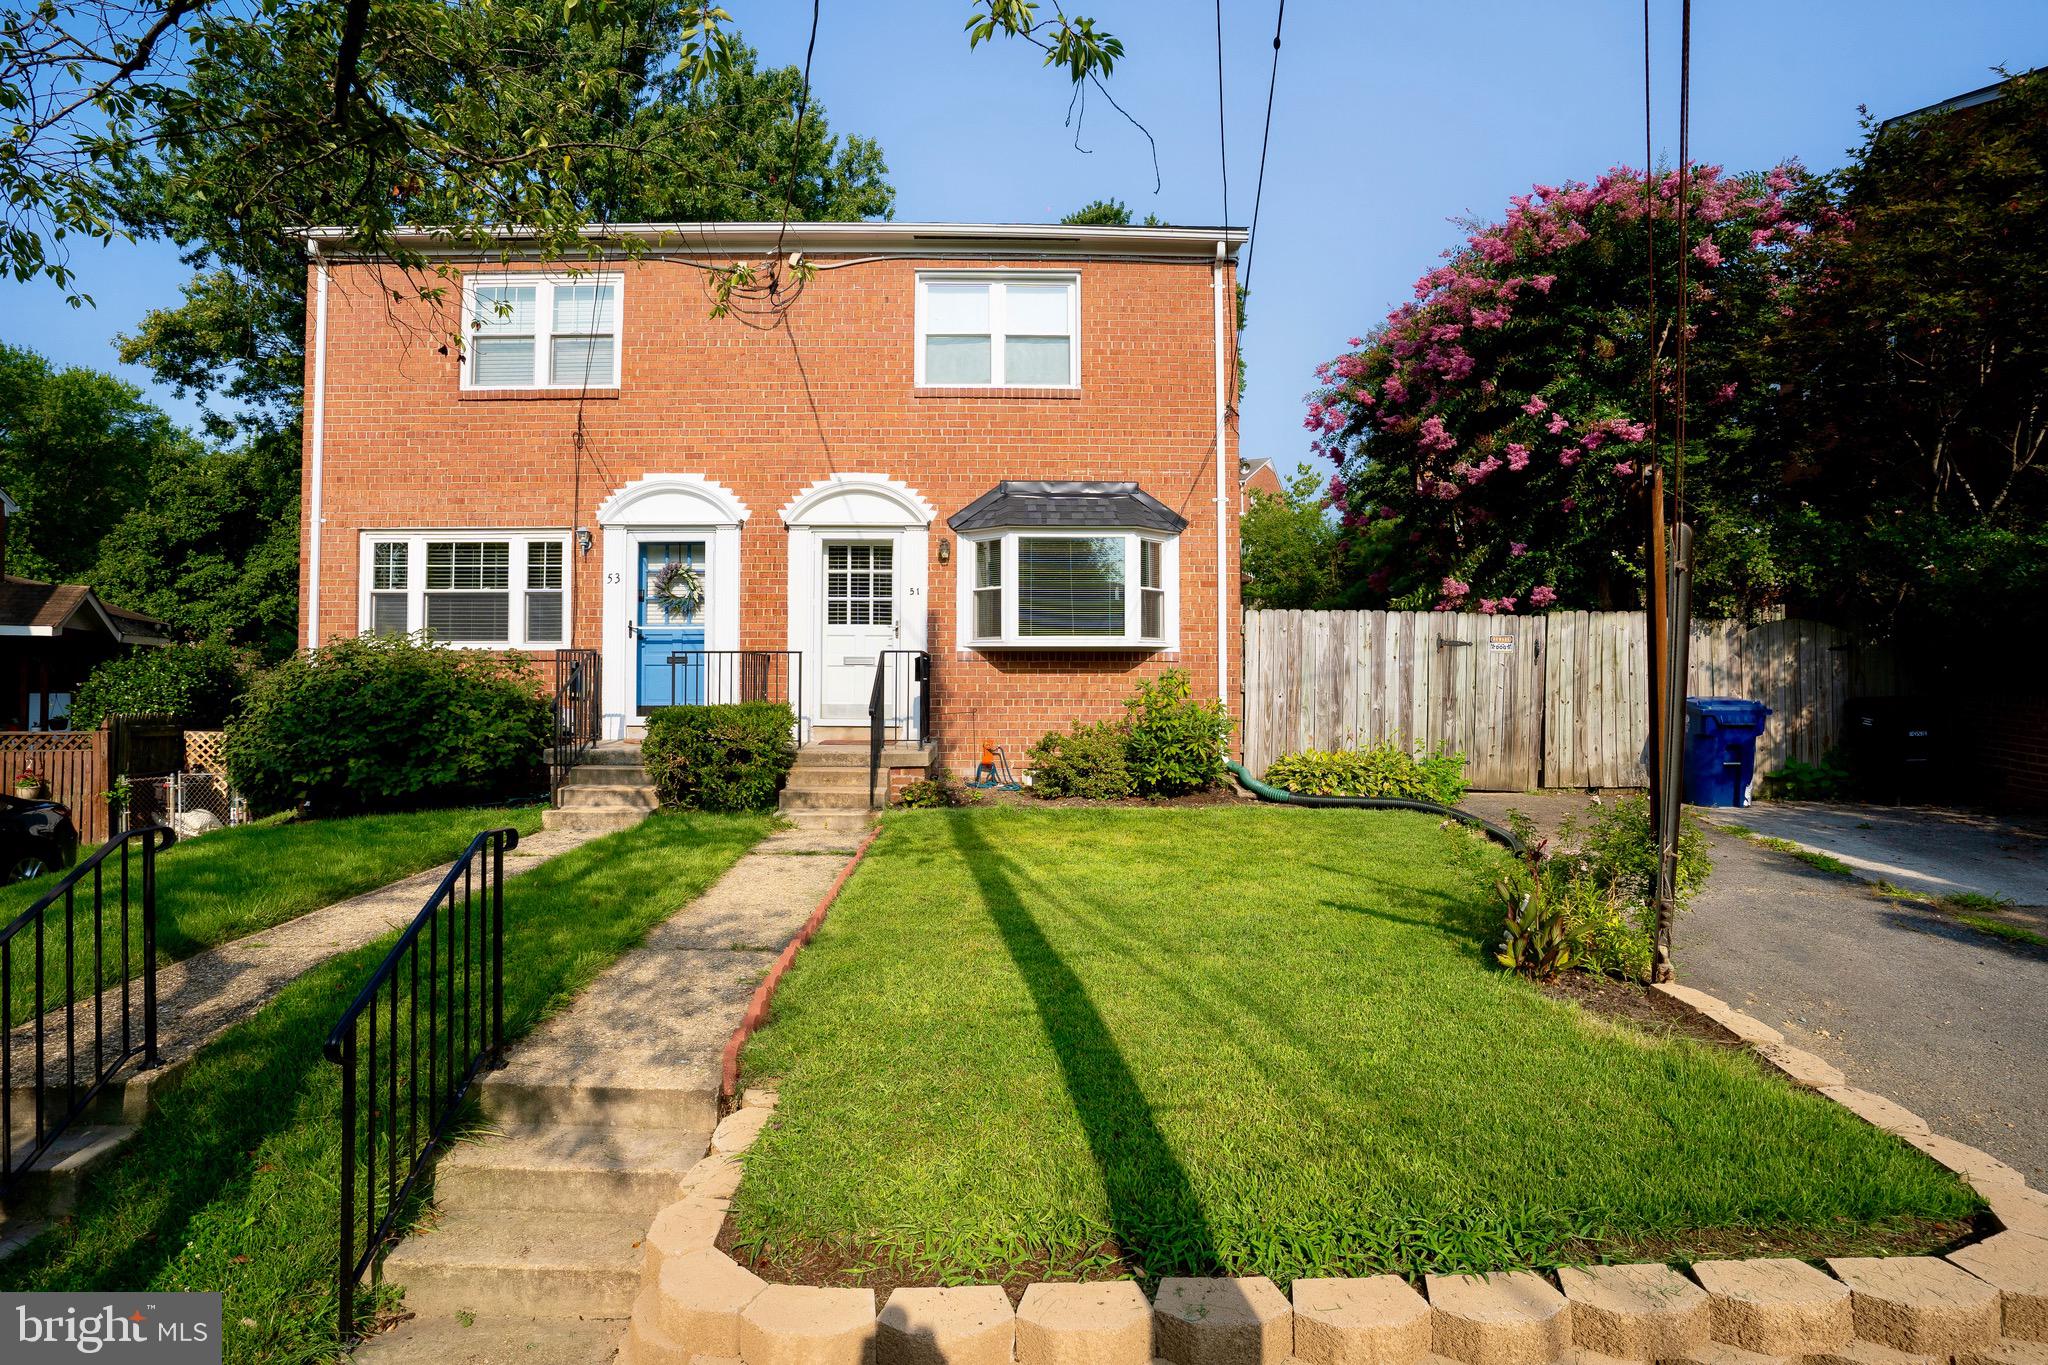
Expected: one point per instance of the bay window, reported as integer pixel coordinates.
(530, 331)
(476, 589)
(1044, 589)
(1015, 329)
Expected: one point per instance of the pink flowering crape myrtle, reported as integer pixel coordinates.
(1491, 436)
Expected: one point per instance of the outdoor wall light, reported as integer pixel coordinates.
(945, 550)
(583, 539)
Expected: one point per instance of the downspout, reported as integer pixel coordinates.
(1222, 492)
(318, 435)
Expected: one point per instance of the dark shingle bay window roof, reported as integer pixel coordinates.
(1034, 504)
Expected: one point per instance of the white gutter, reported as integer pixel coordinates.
(1222, 506)
(722, 239)
(318, 436)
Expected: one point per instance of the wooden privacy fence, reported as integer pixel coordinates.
(80, 767)
(1558, 700)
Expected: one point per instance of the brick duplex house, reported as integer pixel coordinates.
(1009, 446)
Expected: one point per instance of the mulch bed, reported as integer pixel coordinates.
(1632, 1003)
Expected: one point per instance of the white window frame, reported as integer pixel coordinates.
(1132, 638)
(516, 589)
(543, 328)
(996, 321)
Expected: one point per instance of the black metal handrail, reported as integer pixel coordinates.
(108, 1054)
(901, 699)
(577, 714)
(714, 677)
(460, 1025)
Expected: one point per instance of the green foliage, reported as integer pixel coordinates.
(1288, 545)
(1535, 939)
(199, 684)
(733, 757)
(1425, 774)
(937, 793)
(1106, 213)
(1602, 888)
(1174, 744)
(383, 723)
(213, 551)
(1797, 780)
(76, 449)
(1087, 761)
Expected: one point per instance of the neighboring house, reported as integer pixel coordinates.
(51, 635)
(1006, 445)
(1257, 476)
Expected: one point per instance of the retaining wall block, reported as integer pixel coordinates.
(971, 1325)
(1107, 1322)
(1636, 1312)
(1920, 1304)
(1505, 1318)
(1243, 1320)
(736, 1131)
(800, 1324)
(1776, 1307)
(698, 1301)
(2015, 1264)
(1375, 1321)
(683, 1227)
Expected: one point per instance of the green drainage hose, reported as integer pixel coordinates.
(1265, 793)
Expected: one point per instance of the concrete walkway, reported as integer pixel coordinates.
(201, 996)
(534, 1250)
(1905, 1000)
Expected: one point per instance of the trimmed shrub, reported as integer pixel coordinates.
(199, 684)
(722, 758)
(1087, 760)
(938, 793)
(1384, 770)
(1173, 743)
(387, 723)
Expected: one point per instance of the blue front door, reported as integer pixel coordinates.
(669, 641)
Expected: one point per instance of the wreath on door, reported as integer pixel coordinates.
(678, 588)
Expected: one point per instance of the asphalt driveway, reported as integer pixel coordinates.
(1907, 1001)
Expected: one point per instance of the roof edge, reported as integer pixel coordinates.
(927, 239)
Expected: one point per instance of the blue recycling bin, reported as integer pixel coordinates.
(1720, 749)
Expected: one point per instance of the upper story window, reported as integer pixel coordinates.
(1014, 330)
(483, 589)
(542, 332)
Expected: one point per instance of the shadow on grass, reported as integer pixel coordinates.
(1154, 1214)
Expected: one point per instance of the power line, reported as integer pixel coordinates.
(796, 151)
(1222, 142)
(1684, 181)
(1650, 244)
(1265, 140)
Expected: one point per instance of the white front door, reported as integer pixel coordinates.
(860, 621)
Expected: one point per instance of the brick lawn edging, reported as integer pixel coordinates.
(757, 1008)
(1985, 1304)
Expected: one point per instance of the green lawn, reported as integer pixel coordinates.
(1254, 1041)
(236, 881)
(231, 1186)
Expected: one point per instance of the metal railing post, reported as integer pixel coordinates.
(498, 947)
(149, 1053)
(347, 1277)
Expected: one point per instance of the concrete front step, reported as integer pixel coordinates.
(595, 821)
(830, 821)
(570, 1168)
(613, 754)
(577, 797)
(829, 776)
(522, 1263)
(828, 799)
(51, 1187)
(856, 756)
(445, 1339)
(525, 1095)
(609, 775)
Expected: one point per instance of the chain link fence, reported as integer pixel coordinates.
(190, 803)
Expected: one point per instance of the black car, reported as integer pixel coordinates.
(36, 837)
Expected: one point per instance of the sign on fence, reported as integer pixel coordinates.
(1557, 700)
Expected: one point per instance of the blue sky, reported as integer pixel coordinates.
(1391, 119)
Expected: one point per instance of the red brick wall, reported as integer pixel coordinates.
(768, 411)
